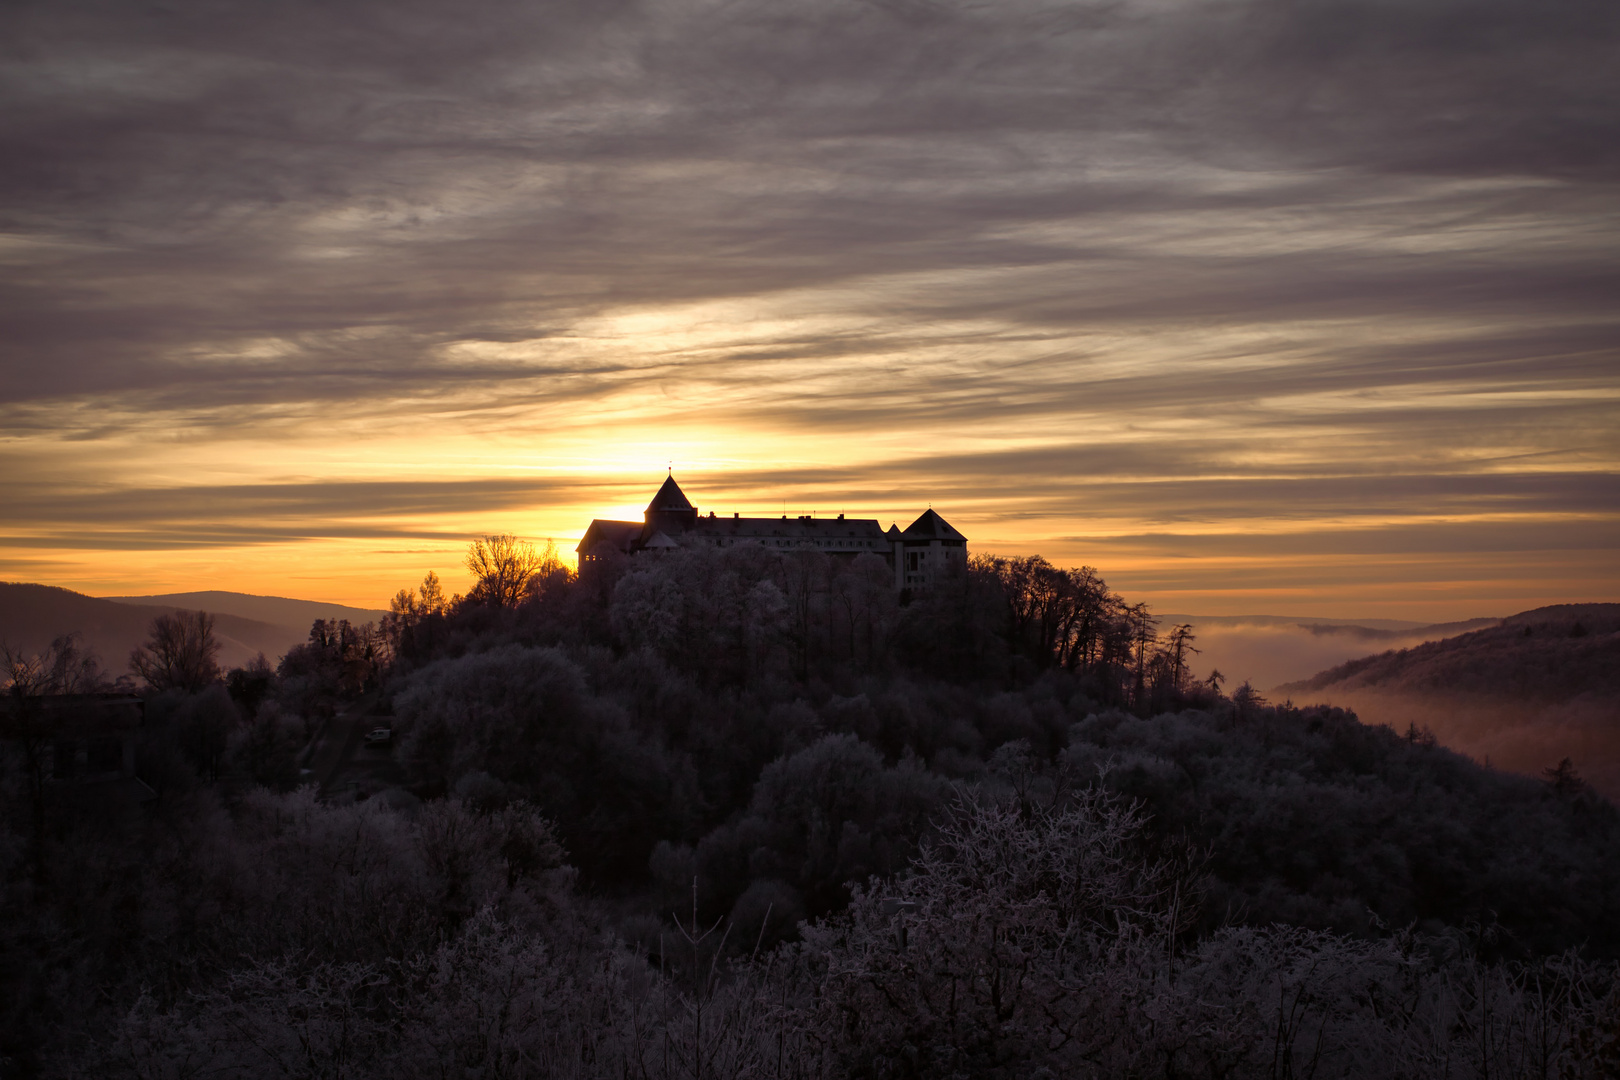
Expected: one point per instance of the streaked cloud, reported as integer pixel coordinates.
(1301, 299)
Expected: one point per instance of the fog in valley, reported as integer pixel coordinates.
(1515, 694)
(1268, 651)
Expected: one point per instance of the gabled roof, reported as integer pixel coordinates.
(669, 497)
(78, 713)
(618, 534)
(930, 526)
(795, 528)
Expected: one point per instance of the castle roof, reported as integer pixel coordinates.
(799, 528)
(620, 535)
(669, 497)
(671, 516)
(930, 526)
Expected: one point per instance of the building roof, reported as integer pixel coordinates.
(73, 714)
(671, 514)
(619, 535)
(930, 526)
(669, 497)
(804, 527)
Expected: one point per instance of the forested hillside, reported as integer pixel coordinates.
(1550, 654)
(729, 812)
(1540, 686)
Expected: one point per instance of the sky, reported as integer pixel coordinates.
(1301, 307)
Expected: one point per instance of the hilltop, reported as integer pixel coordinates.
(1016, 764)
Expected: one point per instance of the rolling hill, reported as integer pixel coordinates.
(276, 610)
(1522, 694)
(31, 615)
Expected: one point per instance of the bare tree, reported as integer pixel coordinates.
(64, 668)
(1179, 645)
(180, 653)
(503, 566)
(1144, 633)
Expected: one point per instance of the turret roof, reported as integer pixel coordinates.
(669, 497)
(930, 526)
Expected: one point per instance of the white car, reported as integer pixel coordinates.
(378, 736)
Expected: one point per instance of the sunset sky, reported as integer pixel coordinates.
(1305, 307)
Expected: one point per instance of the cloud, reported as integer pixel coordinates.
(1176, 262)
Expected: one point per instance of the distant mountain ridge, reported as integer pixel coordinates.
(278, 610)
(1285, 620)
(32, 615)
(1522, 694)
(1551, 654)
(1378, 633)
(1392, 628)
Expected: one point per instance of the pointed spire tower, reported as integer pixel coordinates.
(929, 548)
(670, 512)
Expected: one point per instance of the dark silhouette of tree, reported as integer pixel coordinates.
(863, 595)
(1247, 699)
(1417, 736)
(204, 723)
(550, 577)
(1179, 645)
(64, 668)
(1142, 635)
(344, 658)
(428, 599)
(1064, 618)
(804, 582)
(503, 567)
(250, 683)
(413, 617)
(1564, 779)
(180, 652)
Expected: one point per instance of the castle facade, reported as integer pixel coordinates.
(919, 554)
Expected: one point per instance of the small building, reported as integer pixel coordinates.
(917, 555)
(85, 741)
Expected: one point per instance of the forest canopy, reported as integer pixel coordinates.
(733, 809)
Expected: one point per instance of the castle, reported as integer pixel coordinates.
(924, 550)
